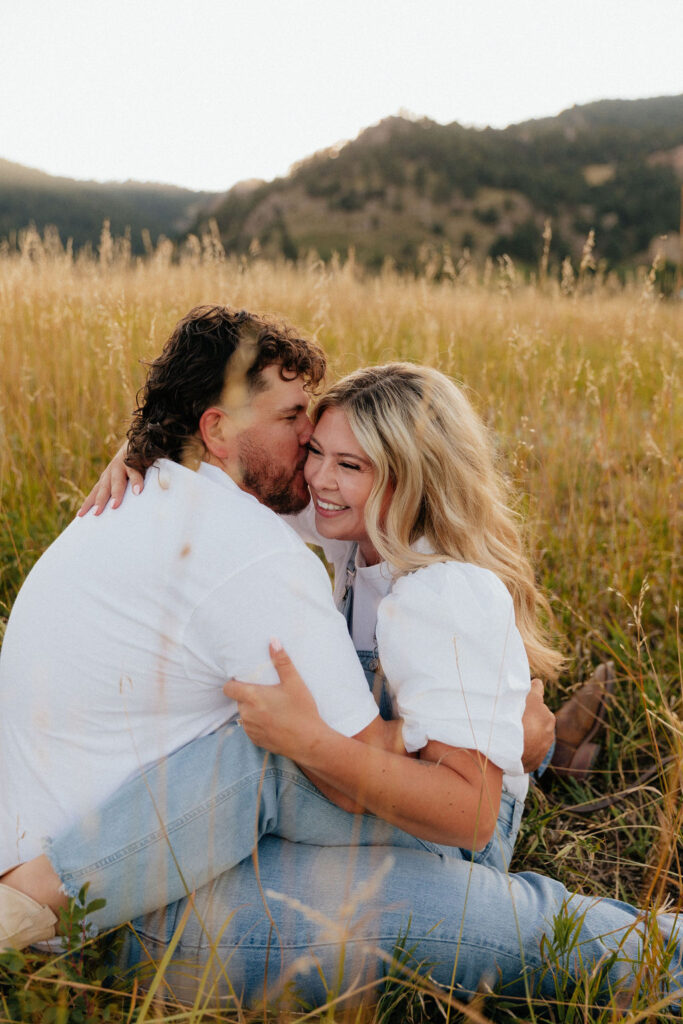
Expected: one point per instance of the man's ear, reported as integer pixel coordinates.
(217, 432)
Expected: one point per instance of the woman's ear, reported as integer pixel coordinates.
(217, 432)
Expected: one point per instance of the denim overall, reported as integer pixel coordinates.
(498, 852)
(369, 659)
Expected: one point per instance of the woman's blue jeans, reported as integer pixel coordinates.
(326, 908)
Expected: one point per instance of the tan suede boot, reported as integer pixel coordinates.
(578, 721)
(22, 920)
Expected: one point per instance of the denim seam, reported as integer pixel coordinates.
(163, 831)
(530, 961)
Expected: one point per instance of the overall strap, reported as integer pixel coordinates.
(346, 606)
(368, 659)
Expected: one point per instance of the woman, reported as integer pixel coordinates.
(406, 502)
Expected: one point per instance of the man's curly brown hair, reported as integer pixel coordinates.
(193, 369)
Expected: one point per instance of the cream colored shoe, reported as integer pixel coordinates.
(22, 920)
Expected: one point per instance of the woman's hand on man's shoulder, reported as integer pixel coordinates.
(112, 484)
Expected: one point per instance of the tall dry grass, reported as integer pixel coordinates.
(578, 376)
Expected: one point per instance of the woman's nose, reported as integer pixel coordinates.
(319, 474)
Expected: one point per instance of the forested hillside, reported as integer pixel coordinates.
(78, 208)
(615, 166)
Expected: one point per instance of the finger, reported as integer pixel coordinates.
(120, 475)
(238, 691)
(281, 660)
(88, 503)
(537, 686)
(102, 493)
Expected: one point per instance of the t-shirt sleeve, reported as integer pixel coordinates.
(455, 661)
(285, 596)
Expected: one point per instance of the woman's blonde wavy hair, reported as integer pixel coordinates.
(422, 436)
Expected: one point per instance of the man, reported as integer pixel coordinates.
(156, 607)
(124, 632)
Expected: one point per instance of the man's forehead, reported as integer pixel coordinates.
(283, 394)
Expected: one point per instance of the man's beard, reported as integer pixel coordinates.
(280, 489)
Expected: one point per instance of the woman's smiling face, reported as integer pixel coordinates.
(340, 477)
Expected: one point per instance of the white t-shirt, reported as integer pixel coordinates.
(125, 630)
(453, 658)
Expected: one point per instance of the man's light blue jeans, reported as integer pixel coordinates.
(327, 908)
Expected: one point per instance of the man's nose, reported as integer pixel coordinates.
(305, 432)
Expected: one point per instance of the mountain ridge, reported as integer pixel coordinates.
(407, 185)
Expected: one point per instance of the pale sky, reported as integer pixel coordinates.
(208, 92)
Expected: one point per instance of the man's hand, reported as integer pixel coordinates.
(112, 484)
(539, 728)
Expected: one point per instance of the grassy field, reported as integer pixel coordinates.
(581, 381)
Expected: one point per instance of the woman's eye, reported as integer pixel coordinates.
(349, 465)
(312, 450)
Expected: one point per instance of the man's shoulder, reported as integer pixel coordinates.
(221, 511)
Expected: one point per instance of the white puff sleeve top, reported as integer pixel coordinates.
(455, 661)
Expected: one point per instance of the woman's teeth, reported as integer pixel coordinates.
(327, 506)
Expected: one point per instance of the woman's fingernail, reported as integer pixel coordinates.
(275, 644)
(96, 510)
(136, 488)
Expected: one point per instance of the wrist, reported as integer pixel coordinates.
(315, 751)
